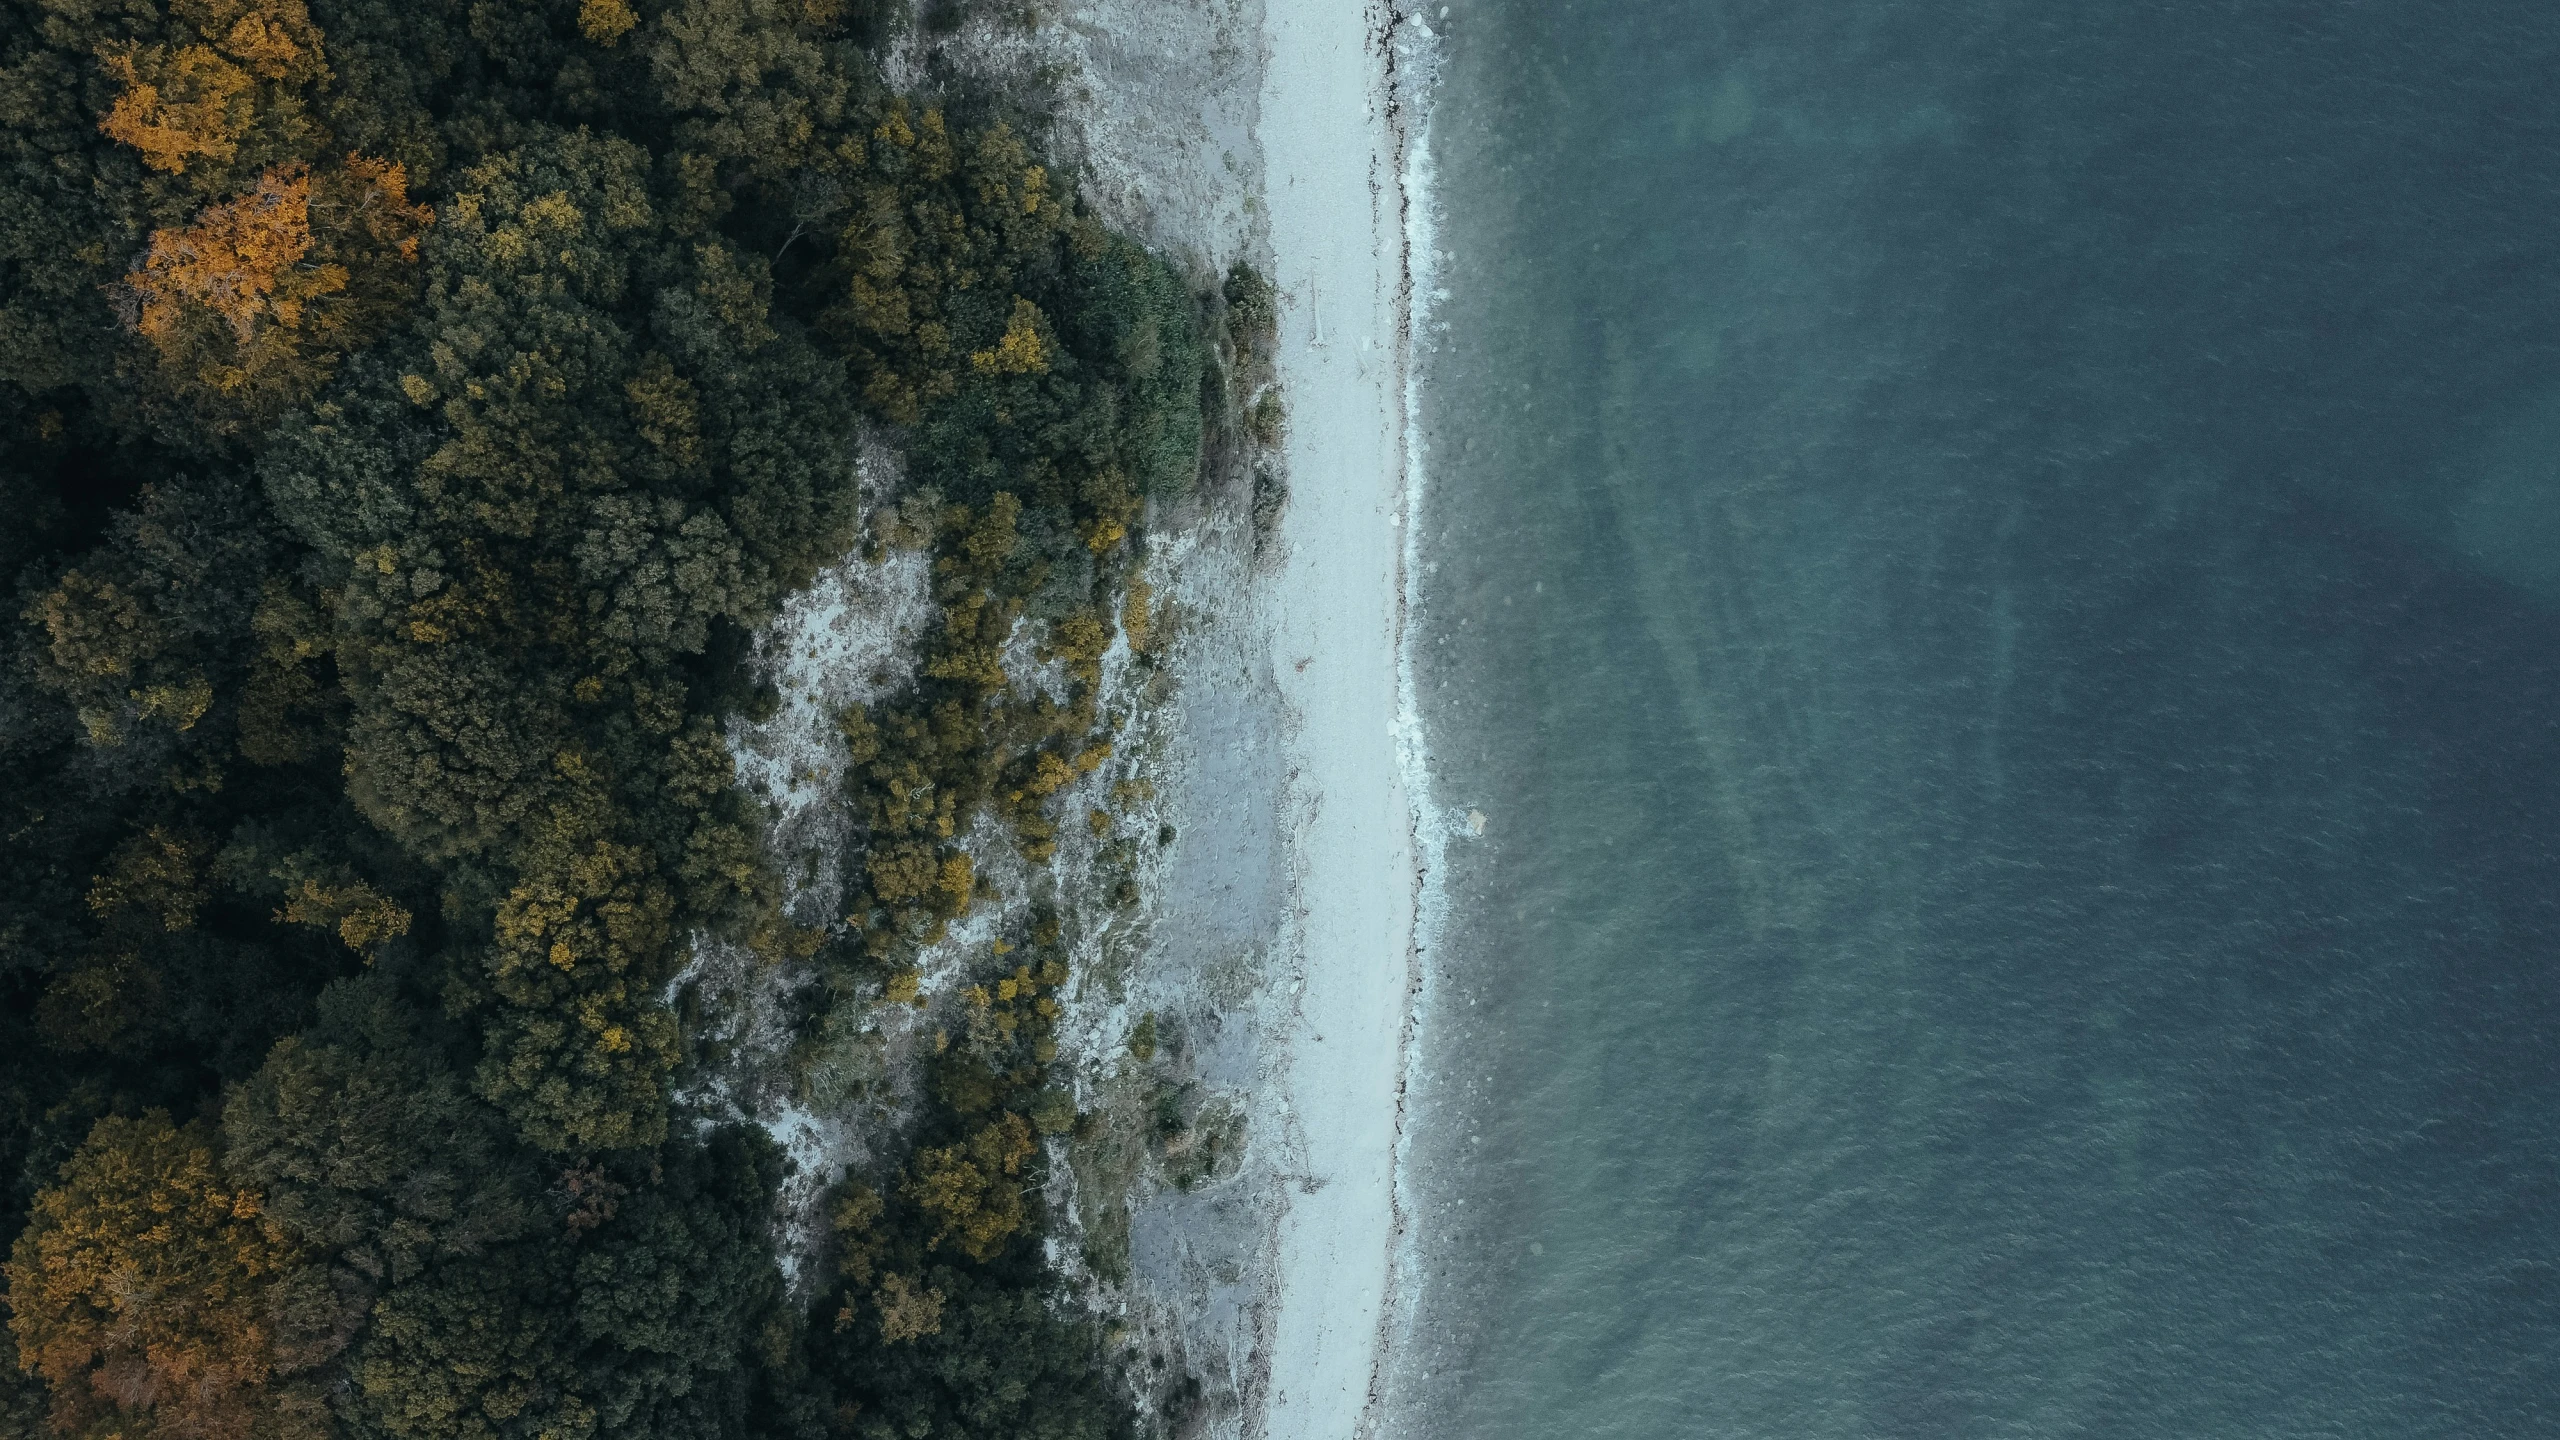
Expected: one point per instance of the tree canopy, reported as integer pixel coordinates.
(410, 411)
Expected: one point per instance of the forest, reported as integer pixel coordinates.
(409, 410)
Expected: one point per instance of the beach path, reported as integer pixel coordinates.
(1337, 233)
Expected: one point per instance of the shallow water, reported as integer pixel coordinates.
(1995, 570)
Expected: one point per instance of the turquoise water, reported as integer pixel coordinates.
(1995, 570)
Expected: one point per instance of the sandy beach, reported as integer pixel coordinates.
(1336, 233)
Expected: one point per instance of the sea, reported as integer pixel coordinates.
(1991, 570)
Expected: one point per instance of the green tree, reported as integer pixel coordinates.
(142, 636)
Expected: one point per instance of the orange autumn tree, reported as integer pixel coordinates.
(243, 263)
(250, 304)
(188, 104)
(145, 1284)
(255, 300)
(238, 77)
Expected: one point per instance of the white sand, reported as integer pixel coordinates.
(1336, 231)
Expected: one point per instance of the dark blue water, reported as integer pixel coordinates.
(1998, 581)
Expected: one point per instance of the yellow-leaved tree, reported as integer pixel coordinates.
(148, 1290)
(972, 1191)
(577, 1051)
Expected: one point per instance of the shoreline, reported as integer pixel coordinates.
(1279, 935)
(1414, 53)
(1334, 177)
